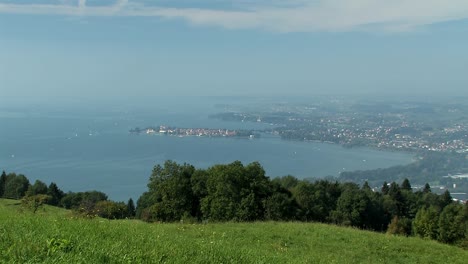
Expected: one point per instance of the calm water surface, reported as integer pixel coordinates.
(86, 150)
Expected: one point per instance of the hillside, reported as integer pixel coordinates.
(54, 235)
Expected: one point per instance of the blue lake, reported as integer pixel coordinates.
(93, 150)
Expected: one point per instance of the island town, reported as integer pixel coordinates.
(199, 132)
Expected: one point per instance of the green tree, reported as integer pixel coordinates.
(130, 208)
(37, 188)
(3, 180)
(428, 198)
(171, 191)
(316, 200)
(452, 224)
(395, 193)
(224, 191)
(34, 202)
(405, 185)
(390, 207)
(280, 206)
(84, 201)
(198, 183)
(399, 226)
(287, 182)
(427, 188)
(111, 209)
(445, 199)
(352, 208)
(366, 186)
(16, 186)
(304, 196)
(384, 188)
(426, 223)
(55, 194)
(376, 218)
(235, 192)
(144, 202)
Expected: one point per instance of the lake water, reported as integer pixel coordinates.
(93, 150)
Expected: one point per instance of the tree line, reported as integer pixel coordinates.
(429, 167)
(89, 203)
(238, 192)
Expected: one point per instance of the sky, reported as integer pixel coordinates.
(94, 49)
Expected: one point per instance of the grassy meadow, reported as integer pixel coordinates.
(54, 235)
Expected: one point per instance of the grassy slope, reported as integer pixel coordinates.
(24, 236)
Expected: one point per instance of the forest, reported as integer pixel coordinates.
(243, 193)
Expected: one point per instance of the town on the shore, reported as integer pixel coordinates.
(199, 132)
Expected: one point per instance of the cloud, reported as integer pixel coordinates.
(279, 16)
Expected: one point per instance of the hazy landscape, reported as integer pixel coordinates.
(252, 131)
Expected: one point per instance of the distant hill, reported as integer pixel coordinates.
(54, 235)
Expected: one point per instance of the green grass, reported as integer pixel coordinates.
(53, 235)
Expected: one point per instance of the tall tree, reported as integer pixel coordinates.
(426, 223)
(384, 188)
(366, 186)
(16, 186)
(395, 193)
(280, 206)
(445, 199)
(37, 188)
(352, 208)
(452, 224)
(130, 208)
(288, 182)
(171, 191)
(405, 185)
(427, 188)
(316, 200)
(3, 179)
(55, 194)
(235, 192)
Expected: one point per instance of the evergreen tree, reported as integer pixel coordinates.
(427, 188)
(3, 179)
(366, 186)
(55, 194)
(385, 188)
(445, 199)
(394, 192)
(405, 185)
(130, 208)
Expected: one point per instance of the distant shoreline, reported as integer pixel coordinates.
(199, 132)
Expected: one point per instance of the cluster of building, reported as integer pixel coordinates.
(200, 132)
(391, 135)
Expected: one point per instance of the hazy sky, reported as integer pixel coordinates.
(139, 48)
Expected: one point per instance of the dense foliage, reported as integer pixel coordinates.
(243, 193)
(234, 192)
(89, 204)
